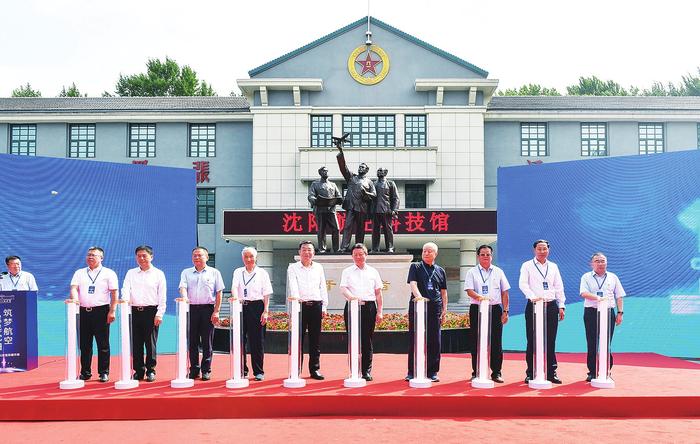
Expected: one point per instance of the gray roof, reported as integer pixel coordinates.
(122, 104)
(593, 103)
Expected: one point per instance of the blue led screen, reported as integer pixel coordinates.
(643, 212)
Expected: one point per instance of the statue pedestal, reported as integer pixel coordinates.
(393, 269)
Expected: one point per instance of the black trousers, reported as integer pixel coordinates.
(311, 316)
(354, 223)
(590, 321)
(253, 336)
(326, 221)
(201, 334)
(433, 337)
(93, 324)
(552, 321)
(496, 328)
(144, 335)
(382, 220)
(368, 317)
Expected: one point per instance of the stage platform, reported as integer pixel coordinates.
(647, 386)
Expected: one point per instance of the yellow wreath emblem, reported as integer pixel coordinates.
(368, 65)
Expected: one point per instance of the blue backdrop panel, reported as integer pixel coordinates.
(643, 212)
(54, 209)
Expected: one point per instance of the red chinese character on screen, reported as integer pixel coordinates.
(439, 221)
(368, 226)
(341, 221)
(140, 162)
(291, 223)
(414, 222)
(312, 226)
(395, 224)
(202, 169)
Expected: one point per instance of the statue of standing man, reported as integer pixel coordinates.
(323, 197)
(358, 198)
(386, 207)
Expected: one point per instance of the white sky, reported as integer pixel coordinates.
(51, 43)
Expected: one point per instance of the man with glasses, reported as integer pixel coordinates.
(95, 288)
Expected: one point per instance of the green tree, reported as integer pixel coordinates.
(659, 89)
(26, 91)
(72, 91)
(531, 89)
(593, 86)
(163, 79)
(691, 85)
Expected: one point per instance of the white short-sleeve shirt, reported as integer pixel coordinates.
(253, 286)
(493, 279)
(362, 282)
(609, 284)
(94, 286)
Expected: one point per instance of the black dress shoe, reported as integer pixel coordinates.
(137, 377)
(497, 378)
(408, 377)
(85, 377)
(435, 378)
(367, 376)
(589, 378)
(554, 379)
(206, 376)
(473, 377)
(150, 377)
(193, 375)
(317, 376)
(104, 377)
(528, 379)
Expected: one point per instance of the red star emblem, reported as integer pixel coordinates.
(368, 64)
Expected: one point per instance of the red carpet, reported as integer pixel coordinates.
(648, 386)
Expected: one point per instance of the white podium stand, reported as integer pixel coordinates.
(540, 377)
(71, 381)
(603, 379)
(182, 380)
(419, 354)
(236, 347)
(482, 379)
(125, 356)
(354, 346)
(294, 381)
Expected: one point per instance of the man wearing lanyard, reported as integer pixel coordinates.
(597, 286)
(202, 287)
(540, 280)
(251, 284)
(362, 282)
(15, 278)
(144, 288)
(427, 280)
(306, 282)
(95, 289)
(488, 282)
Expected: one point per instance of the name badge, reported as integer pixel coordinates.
(545, 285)
(91, 289)
(484, 289)
(430, 285)
(599, 294)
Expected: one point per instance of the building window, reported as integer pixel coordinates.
(651, 138)
(699, 136)
(211, 262)
(533, 139)
(142, 140)
(82, 140)
(416, 195)
(321, 131)
(594, 141)
(206, 205)
(415, 131)
(23, 140)
(369, 131)
(203, 140)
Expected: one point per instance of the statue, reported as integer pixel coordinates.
(358, 197)
(323, 197)
(386, 206)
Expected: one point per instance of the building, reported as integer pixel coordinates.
(427, 116)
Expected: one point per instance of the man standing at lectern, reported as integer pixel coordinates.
(596, 286)
(540, 280)
(95, 288)
(15, 279)
(356, 204)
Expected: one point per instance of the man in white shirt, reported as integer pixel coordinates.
(95, 288)
(252, 285)
(201, 286)
(306, 282)
(144, 288)
(362, 282)
(488, 282)
(597, 286)
(540, 280)
(15, 279)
